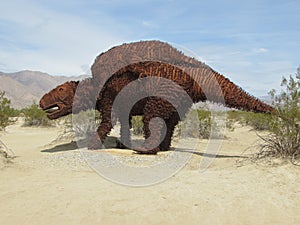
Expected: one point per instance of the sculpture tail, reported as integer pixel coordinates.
(219, 89)
(236, 97)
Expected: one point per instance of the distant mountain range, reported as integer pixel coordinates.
(25, 87)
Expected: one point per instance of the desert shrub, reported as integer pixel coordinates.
(203, 127)
(205, 123)
(284, 137)
(258, 121)
(85, 123)
(137, 125)
(198, 129)
(35, 116)
(14, 112)
(237, 116)
(6, 112)
(78, 126)
(6, 155)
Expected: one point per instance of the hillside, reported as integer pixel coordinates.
(25, 87)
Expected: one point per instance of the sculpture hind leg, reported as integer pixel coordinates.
(137, 109)
(125, 141)
(154, 131)
(171, 123)
(152, 136)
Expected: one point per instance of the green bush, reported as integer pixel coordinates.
(205, 124)
(200, 129)
(35, 116)
(203, 130)
(137, 125)
(6, 112)
(85, 123)
(196, 129)
(258, 121)
(284, 137)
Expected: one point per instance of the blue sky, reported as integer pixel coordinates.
(254, 43)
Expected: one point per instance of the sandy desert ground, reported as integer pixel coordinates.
(52, 184)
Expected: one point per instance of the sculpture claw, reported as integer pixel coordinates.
(95, 143)
(146, 151)
(121, 145)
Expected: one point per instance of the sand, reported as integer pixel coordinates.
(52, 184)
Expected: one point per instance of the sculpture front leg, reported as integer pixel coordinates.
(152, 137)
(124, 141)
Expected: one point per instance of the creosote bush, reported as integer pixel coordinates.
(85, 123)
(6, 112)
(137, 125)
(284, 137)
(201, 129)
(35, 116)
(258, 121)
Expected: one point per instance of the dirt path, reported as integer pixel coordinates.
(54, 185)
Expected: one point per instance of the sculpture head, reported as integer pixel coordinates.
(58, 102)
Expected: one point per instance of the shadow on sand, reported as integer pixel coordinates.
(110, 142)
(203, 154)
(62, 147)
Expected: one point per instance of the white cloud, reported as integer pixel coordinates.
(254, 73)
(147, 23)
(53, 42)
(64, 37)
(261, 50)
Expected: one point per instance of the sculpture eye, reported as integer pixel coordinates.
(60, 89)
